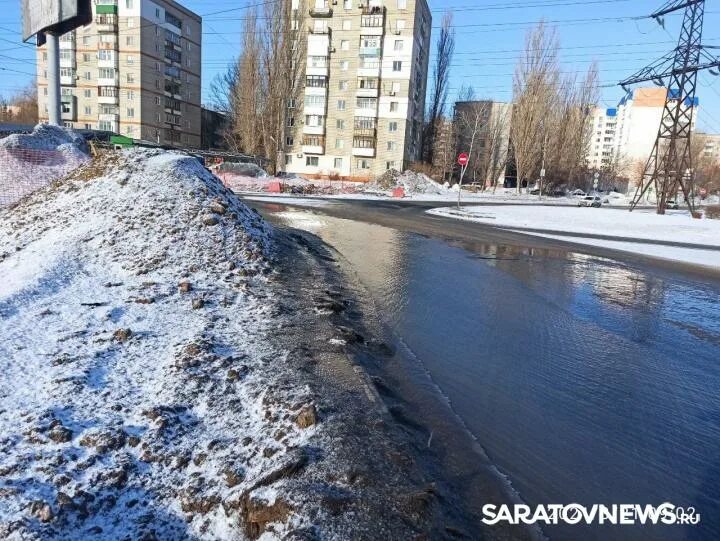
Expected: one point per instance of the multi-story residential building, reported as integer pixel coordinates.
(624, 135)
(364, 97)
(711, 147)
(490, 120)
(135, 71)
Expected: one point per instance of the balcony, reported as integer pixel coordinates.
(109, 117)
(67, 80)
(313, 144)
(314, 130)
(319, 28)
(370, 51)
(108, 81)
(107, 61)
(68, 110)
(369, 67)
(67, 61)
(367, 92)
(321, 11)
(106, 23)
(364, 145)
(364, 152)
(108, 99)
(372, 20)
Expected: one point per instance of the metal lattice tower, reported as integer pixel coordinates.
(669, 168)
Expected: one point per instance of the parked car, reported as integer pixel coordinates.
(590, 201)
(578, 193)
(672, 205)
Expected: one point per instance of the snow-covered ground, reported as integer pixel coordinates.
(641, 231)
(136, 397)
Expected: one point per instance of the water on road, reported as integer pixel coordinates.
(585, 380)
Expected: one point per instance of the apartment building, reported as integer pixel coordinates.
(624, 135)
(491, 140)
(711, 147)
(364, 96)
(135, 71)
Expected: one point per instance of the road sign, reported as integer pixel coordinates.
(463, 159)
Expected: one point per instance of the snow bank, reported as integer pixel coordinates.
(411, 182)
(30, 161)
(136, 392)
(48, 138)
(641, 231)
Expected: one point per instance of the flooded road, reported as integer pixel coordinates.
(585, 379)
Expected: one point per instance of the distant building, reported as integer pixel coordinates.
(134, 71)
(711, 147)
(492, 140)
(624, 135)
(364, 97)
(211, 126)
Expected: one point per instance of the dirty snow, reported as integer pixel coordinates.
(640, 231)
(135, 397)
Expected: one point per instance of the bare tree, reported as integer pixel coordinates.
(21, 108)
(444, 50)
(535, 86)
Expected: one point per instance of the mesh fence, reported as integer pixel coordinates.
(23, 171)
(239, 183)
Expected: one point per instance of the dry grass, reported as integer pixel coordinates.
(712, 212)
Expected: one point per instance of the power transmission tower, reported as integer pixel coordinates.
(669, 167)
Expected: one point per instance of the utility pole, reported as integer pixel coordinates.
(53, 76)
(669, 167)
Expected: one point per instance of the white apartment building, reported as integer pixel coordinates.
(134, 71)
(711, 147)
(364, 96)
(624, 135)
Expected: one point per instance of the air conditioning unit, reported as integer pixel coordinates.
(391, 93)
(396, 32)
(299, 154)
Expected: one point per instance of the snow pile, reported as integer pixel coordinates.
(49, 138)
(139, 394)
(410, 181)
(250, 170)
(30, 161)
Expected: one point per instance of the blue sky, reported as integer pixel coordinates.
(489, 37)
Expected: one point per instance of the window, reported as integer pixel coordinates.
(129, 40)
(130, 112)
(291, 121)
(337, 164)
(366, 103)
(400, 24)
(339, 144)
(402, 4)
(106, 73)
(391, 145)
(318, 62)
(390, 165)
(86, 57)
(130, 59)
(340, 124)
(157, 13)
(344, 65)
(346, 24)
(343, 85)
(397, 65)
(363, 164)
(398, 45)
(345, 44)
(341, 105)
(157, 100)
(314, 121)
(291, 103)
(87, 93)
(130, 22)
(105, 125)
(130, 78)
(312, 161)
(288, 159)
(88, 126)
(370, 42)
(129, 4)
(347, 4)
(289, 141)
(316, 81)
(86, 40)
(392, 127)
(395, 87)
(394, 107)
(314, 101)
(131, 95)
(88, 111)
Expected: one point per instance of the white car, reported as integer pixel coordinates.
(590, 201)
(578, 193)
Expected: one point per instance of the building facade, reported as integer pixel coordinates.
(135, 71)
(490, 121)
(361, 111)
(623, 137)
(710, 152)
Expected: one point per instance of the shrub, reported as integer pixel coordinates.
(712, 212)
